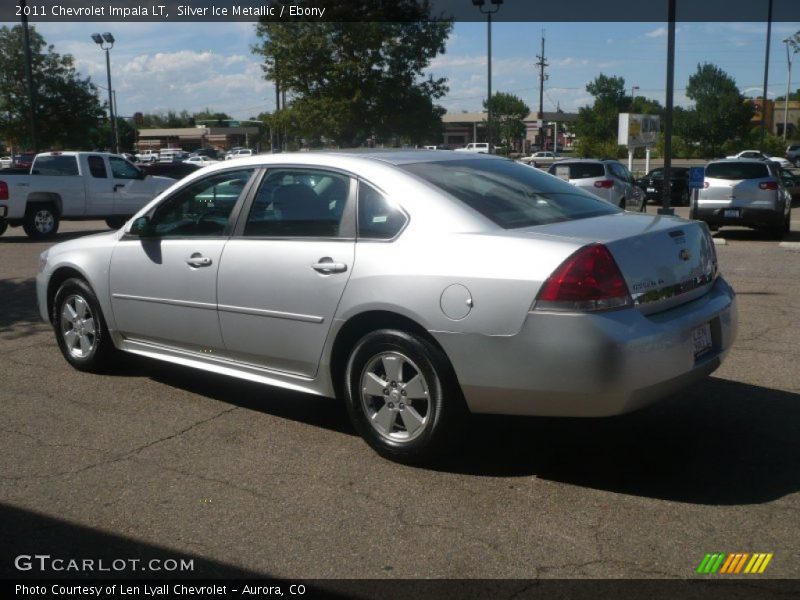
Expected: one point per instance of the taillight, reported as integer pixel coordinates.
(3, 190)
(604, 183)
(589, 280)
(768, 185)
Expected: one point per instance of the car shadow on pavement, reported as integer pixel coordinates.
(755, 235)
(20, 314)
(719, 442)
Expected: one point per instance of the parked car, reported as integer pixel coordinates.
(6, 162)
(24, 160)
(744, 192)
(607, 179)
(475, 147)
(540, 159)
(147, 156)
(201, 160)
(238, 153)
(652, 185)
(74, 186)
(211, 153)
(755, 154)
(172, 155)
(174, 170)
(793, 154)
(791, 182)
(403, 282)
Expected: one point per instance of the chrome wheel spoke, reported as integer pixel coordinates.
(415, 388)
(86, 344)
(374, 385)
(393, 365)
(385, 419)
(70, 338)
(68, 313)
(411, 419)
(80, 307)
(89, 325)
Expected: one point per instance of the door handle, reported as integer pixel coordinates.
(195, 260)
(119, 185)
(327, 266)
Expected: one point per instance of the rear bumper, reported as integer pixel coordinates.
(751, 217)
(591, 365)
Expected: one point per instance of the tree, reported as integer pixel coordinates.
(67, 105)
(351, 81)
(508, 118)
(598, 124)
(720, 112)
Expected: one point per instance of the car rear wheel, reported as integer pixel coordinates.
(41, 221)
(115, 222)
(403, 397)
(80, 328)
(3, 227)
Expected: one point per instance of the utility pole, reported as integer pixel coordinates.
(29, 79)
(766, 78)
(542, 77)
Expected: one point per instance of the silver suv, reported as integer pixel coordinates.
(606, 178)
(793, 154)
(744, 192)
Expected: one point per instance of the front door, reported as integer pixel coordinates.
(163, 285)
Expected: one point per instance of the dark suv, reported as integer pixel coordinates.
(793, 154)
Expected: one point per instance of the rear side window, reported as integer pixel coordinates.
(735, 171)
(378, 218)
(56, 165)
(579, 170)
(97, 167)
(510, 194)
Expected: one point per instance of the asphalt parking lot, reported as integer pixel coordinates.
(157, 460)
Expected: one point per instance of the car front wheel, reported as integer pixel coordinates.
(403, 397)
(80, 328)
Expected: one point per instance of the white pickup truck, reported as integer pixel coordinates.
(475, 147)
(75, 186)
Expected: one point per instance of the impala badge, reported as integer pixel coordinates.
(684, 254)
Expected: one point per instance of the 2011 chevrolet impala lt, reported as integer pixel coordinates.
(420, 286)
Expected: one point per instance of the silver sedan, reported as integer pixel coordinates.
(418, 286)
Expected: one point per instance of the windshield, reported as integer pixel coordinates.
(510, 194)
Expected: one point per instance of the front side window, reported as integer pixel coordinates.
(202, 208)
(298, 203)
(122, 169)
(510, 194)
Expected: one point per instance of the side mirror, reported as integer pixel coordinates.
(141, 227)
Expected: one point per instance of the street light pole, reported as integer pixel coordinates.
(106, 42)
(488, 12)
(787, 41)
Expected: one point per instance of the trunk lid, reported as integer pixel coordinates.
(666, 261)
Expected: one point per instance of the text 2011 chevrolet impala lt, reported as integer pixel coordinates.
(420, 286)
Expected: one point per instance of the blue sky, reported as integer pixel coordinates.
(192, 66)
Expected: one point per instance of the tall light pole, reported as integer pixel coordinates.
(633, 92)
(106, 42)
(795, 48)
(494, 6)
(766, 78)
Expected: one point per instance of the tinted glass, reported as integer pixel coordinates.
(122, 169)
(737, 170)
(298, 203)
(580, 170)
(378, 218)
(56, 165)
(202, 208)
(97, 167)
(510, 194)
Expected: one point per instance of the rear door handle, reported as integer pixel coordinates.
(326, 265)
(196, 260)
(119, 185)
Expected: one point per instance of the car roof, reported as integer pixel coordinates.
(406, 156)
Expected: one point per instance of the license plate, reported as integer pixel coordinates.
(732, 213)
(701, 339)
(651, 190)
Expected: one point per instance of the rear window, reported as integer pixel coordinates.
(579, 170)
(510, 194)
(55, 165)
(736, 171)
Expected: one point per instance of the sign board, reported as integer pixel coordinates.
(697, 176)
(638, 131)
(562, 172)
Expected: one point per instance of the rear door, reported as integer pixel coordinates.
(130, 191)
(99, 186)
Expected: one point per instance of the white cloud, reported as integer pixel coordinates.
(657, 33)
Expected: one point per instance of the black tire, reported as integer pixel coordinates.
(86, 345)
(3, 227)
(116, 222)
(424, 412)
(41, 221)
(621, 203)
